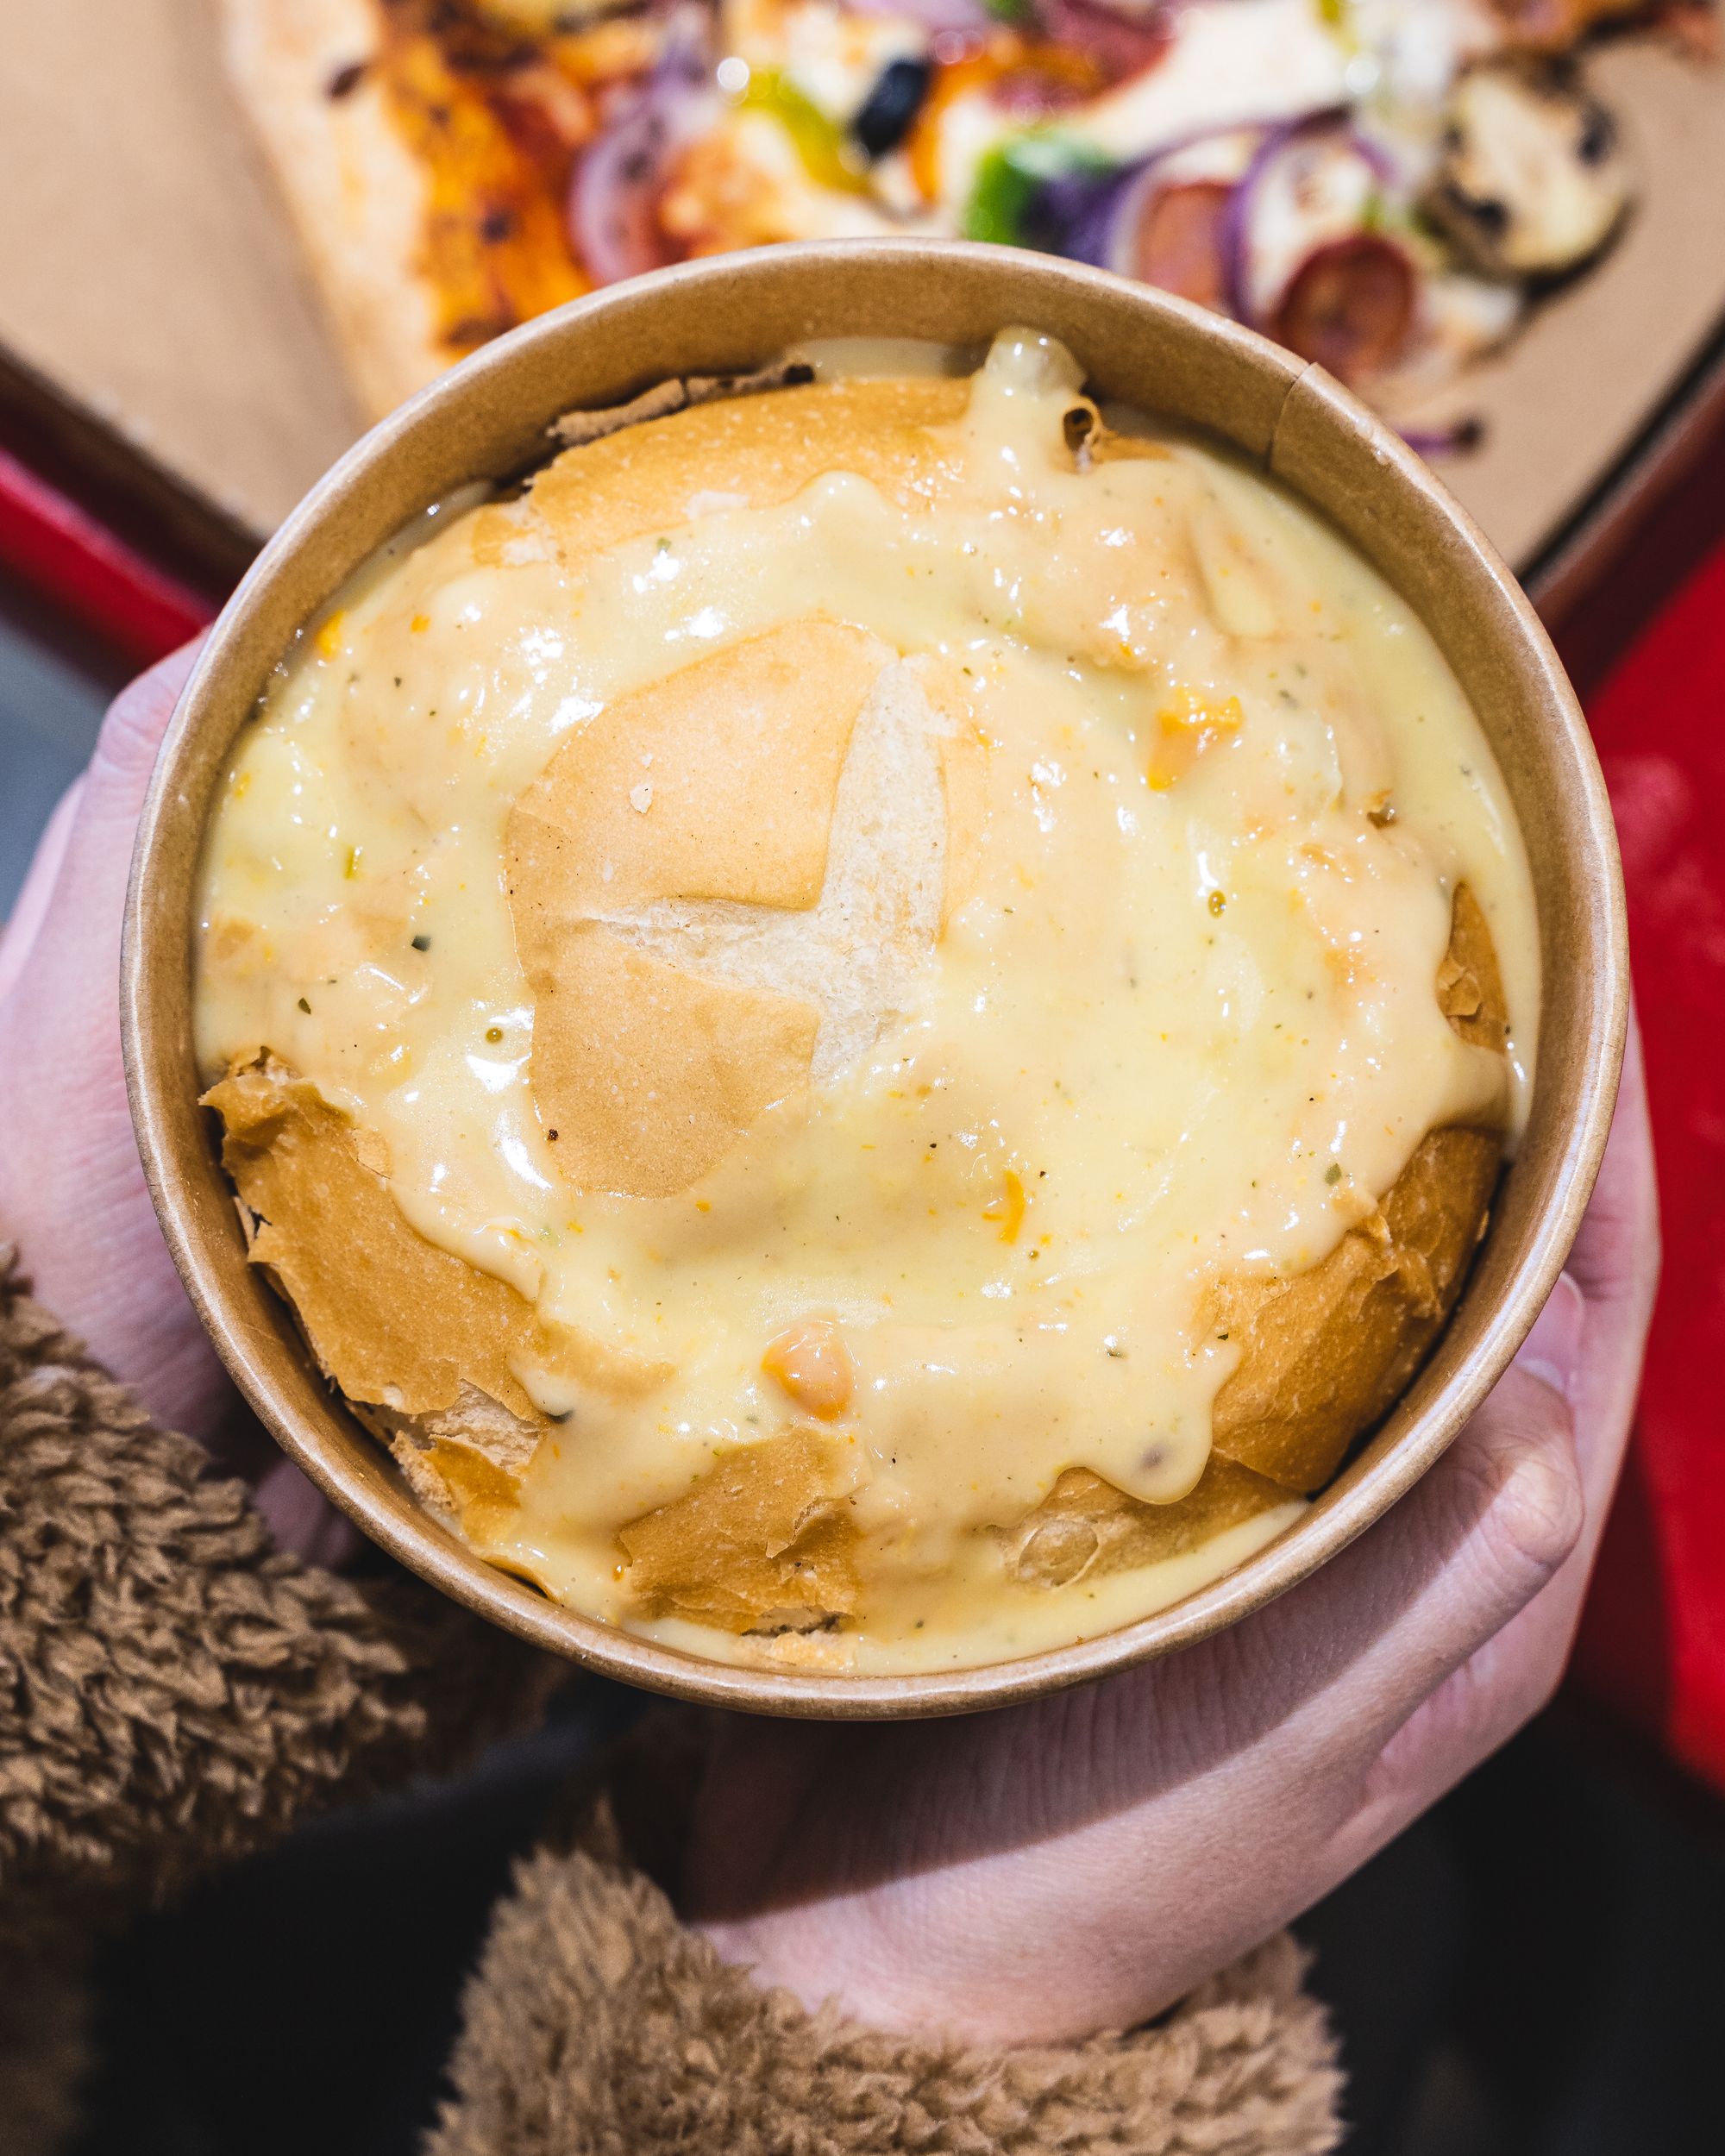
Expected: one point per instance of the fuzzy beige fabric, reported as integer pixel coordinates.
(173, 1691)
(598, 2025)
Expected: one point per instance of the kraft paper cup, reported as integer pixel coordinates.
(488, 420)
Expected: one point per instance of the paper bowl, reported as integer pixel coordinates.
(488, 420)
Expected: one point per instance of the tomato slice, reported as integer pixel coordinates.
(1178, 243)
(1350, 306)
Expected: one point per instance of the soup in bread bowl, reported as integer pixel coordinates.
(870, 1022)
(928, 796)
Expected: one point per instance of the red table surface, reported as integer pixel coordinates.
(50, 540)
(1653, 1643)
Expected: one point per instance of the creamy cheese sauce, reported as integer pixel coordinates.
(1181, 1025)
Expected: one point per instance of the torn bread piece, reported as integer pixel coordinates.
(1085, 1527)
(1324, 1354)
(763, 1543)
(424, 1346)
(653, 476)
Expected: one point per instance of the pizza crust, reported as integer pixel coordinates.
(356, 193)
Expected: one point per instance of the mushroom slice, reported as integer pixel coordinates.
(1533, 180)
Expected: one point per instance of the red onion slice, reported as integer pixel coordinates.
(613, 209)
(1278, 143)
(1444, 442)
(1236, 236)
(1096, 217)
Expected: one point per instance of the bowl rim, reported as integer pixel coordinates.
(155, 1056)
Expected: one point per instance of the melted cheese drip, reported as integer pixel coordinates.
(1176, 1031)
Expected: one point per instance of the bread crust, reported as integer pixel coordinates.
(1328, 1353)
(423, 1346)
(762, 1543)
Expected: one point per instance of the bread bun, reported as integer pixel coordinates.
(727, 896)
(723, 889)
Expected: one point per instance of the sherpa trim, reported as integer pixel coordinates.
(597, 2025)
(173, 1691)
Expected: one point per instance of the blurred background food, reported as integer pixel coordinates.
(1384, 185)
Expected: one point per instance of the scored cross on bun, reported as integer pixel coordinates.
(723, 889)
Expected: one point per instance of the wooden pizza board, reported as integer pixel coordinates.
(156, 323)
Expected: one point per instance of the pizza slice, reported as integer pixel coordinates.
(1385, 185)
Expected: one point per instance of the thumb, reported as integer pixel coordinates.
(1505, 1620)
(30, 908)
(73, 955)
(1512, 1477)
(1386, 1623)
(124, 756)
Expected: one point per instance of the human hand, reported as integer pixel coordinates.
(1079, 1864)
(72, 1195)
